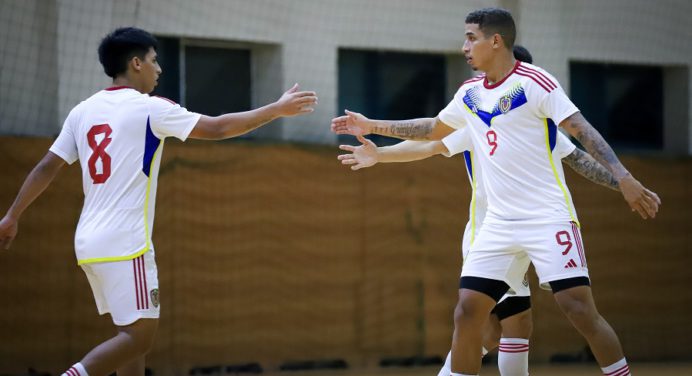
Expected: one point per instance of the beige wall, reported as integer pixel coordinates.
(308, 33)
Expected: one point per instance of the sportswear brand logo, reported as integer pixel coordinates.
(570, 264)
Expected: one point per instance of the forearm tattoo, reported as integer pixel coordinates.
(594, 143)
(586, 166)
(419, 129)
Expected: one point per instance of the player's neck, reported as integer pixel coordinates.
(501, 68)
(124, 81)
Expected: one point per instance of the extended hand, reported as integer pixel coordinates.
(640, 199)
(294, 102)
(352, 123)
(361, 156)
(8, 230)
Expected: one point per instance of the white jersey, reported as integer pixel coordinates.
(512, 127)
(118, 134)
(459, 141)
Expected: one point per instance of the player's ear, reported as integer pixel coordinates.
(497, 41)
(136, 63)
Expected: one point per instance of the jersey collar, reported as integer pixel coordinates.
(498, 83)
(114, 88)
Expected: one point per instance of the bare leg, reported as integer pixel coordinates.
(578, 305)
(134, 368)
(131, 343)
(518, 326)
(492, 333)
(470, 316)
(513, 358)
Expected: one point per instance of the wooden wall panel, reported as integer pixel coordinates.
(271, 253)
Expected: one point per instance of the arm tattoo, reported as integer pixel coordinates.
(586, 166)
(418, 129)
(594, 143)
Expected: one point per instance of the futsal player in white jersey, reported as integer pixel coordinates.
(117, 135)
(530, 216)
(510, 324)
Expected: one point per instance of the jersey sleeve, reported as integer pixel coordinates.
(457, 142)
(65, 146)
(552, 101)
(168, 119)
(563, 145)
(453, 114)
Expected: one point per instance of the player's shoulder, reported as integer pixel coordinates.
(474, 81)
(162, 100)
(159, 103)
(536, 76)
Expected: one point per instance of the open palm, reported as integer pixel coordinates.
(352, 123)
(362, 156)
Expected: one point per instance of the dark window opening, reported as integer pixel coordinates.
(624, 102)
(391, 86)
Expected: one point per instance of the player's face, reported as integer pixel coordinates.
(150, 71)
(477, 48)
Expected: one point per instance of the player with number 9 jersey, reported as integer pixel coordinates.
(118, 135)
(522, 180)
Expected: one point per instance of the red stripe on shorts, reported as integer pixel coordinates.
(134, 271)
(580, 247)
(140, 282)
(146, 290)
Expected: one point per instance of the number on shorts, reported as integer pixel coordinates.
(492, 140)
(99, 152)
(566, 242)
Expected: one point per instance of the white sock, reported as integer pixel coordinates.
(446, 369)
(513, 357)
(620, 368)
(76, 370)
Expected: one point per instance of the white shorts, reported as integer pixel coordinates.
(128, 290)
(519, 287)
(504, 251)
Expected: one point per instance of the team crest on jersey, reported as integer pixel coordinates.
(512, 99)
(505, 104)
(154, 297)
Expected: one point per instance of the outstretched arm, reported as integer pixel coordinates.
(422, 129)
(640, 199)
(291, 103)
(37, 181)
(584, 164)
(368, 154)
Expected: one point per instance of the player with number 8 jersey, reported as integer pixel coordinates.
(118, 136)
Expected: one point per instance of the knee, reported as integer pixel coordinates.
(141, 335)
(468, 310)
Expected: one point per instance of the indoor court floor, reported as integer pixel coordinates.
(638, 369)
